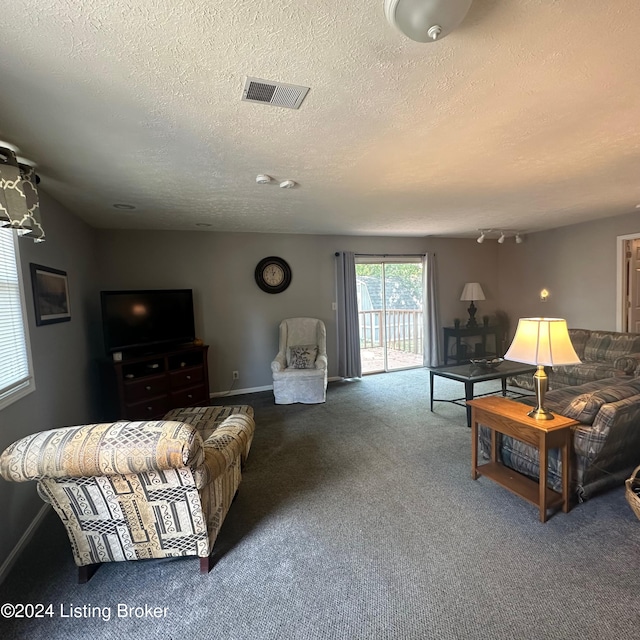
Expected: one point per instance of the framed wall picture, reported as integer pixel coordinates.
(50, 294)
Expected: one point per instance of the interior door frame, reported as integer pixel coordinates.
(621, 279)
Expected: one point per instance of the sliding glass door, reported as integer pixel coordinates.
(390, 314)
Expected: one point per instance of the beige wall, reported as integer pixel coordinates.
(240, 321)
(62, 358)
(577, 264)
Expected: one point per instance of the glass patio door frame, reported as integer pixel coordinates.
(383, 261)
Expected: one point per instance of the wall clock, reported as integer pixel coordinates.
(273, 274)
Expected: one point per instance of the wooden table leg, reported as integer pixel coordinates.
(566, 472)
(543, 477)
(474, 448)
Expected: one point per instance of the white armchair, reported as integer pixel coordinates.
(300, 368)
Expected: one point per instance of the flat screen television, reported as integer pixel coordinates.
(147, 318)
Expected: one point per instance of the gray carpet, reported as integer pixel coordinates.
(359, 519)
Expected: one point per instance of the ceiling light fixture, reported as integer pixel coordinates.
(19, 200)
(263, 178)
(426, 20)
(518, 238)
(501, 238)
(287, 184)
(480, 240)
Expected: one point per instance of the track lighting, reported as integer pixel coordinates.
(504, 234)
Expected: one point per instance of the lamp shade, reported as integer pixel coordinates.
(472, 291)
(19, 204)
(542, 341)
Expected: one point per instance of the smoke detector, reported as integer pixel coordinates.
(277, 94)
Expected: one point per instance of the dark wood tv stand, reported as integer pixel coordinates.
(145, 387)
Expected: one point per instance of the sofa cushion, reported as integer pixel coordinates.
(579, 339)
(607, 346)
(586, 406)
(576, 374)
(302, 356)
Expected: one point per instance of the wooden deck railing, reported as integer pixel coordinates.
(402, 329)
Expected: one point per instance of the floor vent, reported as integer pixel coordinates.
(277, 94)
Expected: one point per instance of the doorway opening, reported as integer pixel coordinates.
(628, 296)
(390, 313)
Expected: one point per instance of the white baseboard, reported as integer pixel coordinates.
(22, 543)
(239, 392)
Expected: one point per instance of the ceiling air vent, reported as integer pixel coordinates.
(277, 94)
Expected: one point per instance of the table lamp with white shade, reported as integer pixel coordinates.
(542, 342)
(472, 291)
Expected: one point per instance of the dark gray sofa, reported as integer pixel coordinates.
(606, 445)
(604, 354)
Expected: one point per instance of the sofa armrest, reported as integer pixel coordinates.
(630, 363)
(102, 450)
(321, 362)
(223, 447)
(280, 363)
(611, 428)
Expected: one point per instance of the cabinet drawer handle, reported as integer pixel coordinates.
(148, 387)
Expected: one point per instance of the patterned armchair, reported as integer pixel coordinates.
(300, 367)
(135, 490)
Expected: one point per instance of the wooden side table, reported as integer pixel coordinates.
(510, 418)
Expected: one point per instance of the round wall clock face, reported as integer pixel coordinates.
(273, 274)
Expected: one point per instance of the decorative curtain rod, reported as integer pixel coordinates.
(387, 255)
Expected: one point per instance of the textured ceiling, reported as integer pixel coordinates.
(526, 117)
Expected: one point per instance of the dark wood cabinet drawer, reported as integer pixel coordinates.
(148, 387)
(148, 410)
(189, 397)
(186, 377)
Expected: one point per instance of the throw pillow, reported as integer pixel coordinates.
(584, 408)
(302, 356)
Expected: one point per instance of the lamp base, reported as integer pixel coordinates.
(540, 382)
(471, 322)
(540, 414)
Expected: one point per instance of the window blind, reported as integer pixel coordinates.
(15, 365)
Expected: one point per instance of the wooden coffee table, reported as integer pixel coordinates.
(510, 418)
(470, 374)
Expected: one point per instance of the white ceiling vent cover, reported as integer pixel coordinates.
(277, 94)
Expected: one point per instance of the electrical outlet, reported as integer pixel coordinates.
(236, 375)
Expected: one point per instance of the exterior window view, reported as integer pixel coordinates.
(390, 315)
